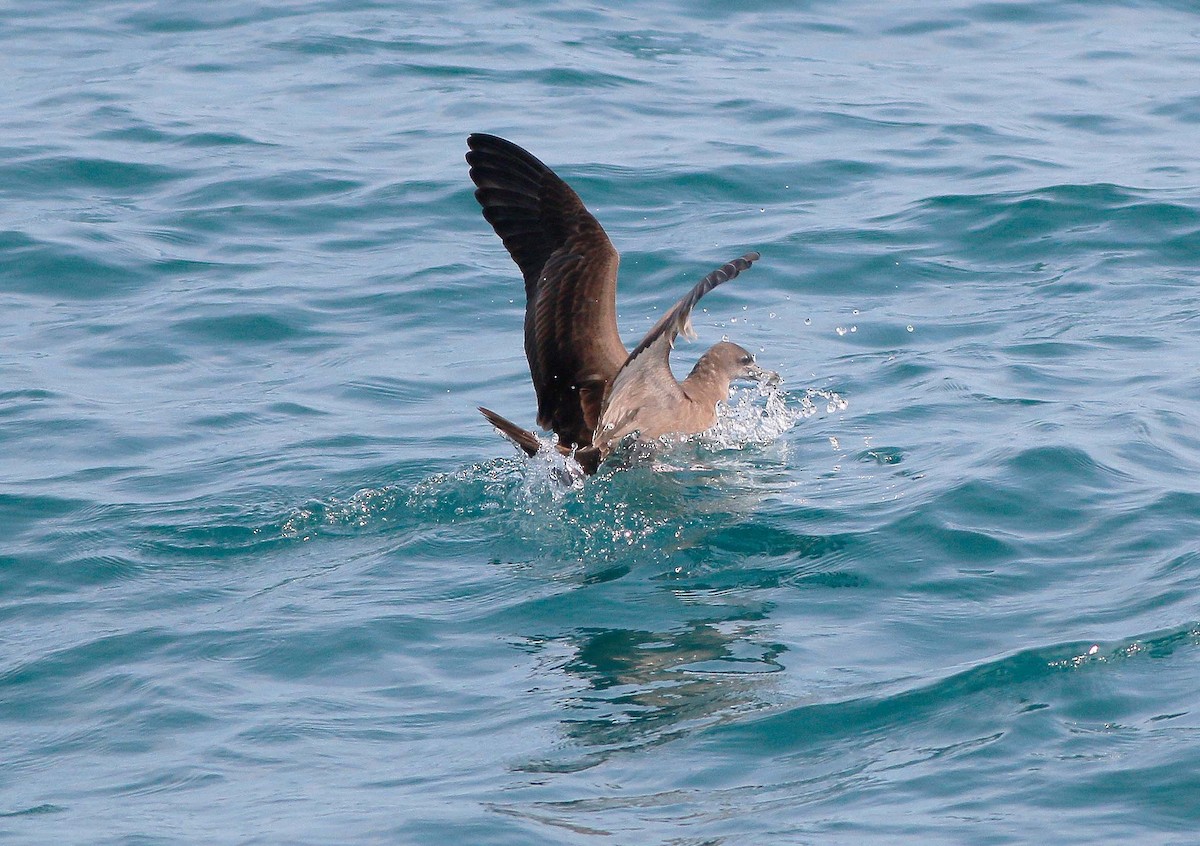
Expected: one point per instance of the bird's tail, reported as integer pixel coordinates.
(588, 457)
(523, 438)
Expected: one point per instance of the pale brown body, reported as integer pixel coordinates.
(591, 391)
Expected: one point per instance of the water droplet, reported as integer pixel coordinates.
(909, 327)
(841, 330)
(808, 321)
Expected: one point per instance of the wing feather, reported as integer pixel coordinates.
(570, 271)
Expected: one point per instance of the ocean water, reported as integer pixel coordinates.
(267, 578)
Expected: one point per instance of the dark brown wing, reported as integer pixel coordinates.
(570, 270)
(646, 379)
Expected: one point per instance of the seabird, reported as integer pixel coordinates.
(591, 391)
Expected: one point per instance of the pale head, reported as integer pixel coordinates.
(727, 362)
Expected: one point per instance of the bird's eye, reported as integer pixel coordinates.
(747, 359)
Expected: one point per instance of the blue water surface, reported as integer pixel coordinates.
(267, 578)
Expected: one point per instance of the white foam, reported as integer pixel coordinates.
(759, 415)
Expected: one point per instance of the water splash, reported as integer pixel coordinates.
(366, 508)
(645, 499)
(761, 414)
(540, 508)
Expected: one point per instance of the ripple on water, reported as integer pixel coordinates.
(1068, 706)
(57, 268)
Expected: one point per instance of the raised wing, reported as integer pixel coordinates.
(570, 269)
(645, 380)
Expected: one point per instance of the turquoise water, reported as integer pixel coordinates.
(267, 578)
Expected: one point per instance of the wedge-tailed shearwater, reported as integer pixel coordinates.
(591, 391)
